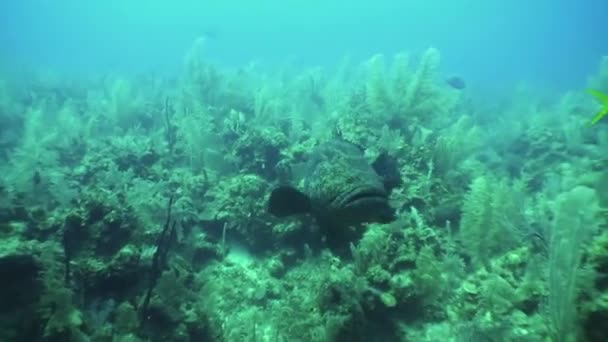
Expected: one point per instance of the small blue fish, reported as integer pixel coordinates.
(210, 34)
(456, 82)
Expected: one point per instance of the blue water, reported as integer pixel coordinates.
(492, 44)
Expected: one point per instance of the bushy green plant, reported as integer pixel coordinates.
(455, 144)
(379, 97)
(576, 221)
(493, 219)
(422, 84)
(429, 275)
(201, 82)
(403, 95)
(34, 164)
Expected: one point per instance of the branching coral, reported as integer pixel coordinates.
(231, 137)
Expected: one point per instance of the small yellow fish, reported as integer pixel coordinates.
(603, 98)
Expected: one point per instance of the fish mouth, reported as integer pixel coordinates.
(363, 204)
(360, 197)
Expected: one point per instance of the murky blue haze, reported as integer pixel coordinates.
(493, 44)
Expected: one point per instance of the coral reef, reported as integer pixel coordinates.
(135, 209)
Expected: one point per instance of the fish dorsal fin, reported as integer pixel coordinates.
(286, 200)
(603, 99)
(387, 168)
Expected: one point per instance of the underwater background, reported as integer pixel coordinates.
(303, 170)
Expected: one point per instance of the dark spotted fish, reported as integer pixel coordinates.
(339, 189)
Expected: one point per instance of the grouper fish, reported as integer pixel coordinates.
(338, 187)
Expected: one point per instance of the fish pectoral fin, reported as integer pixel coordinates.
(599, 116)
(286, 200)
(603, 98)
